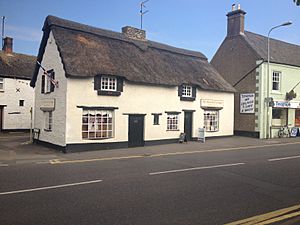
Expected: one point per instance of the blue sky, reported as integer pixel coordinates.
(198, 25)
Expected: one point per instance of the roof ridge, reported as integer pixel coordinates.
(121, 37)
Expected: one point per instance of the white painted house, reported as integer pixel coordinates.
(122, 90)
(16, 95)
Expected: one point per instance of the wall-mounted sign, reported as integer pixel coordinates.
(247, 103)
(47, 104)
(286, 104)
(212, 103)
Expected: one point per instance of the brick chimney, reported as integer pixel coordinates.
(134, 33)
(7, 45)
(235, 21)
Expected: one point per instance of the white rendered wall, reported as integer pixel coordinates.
(52, 60)
(14, 116)
(142, 99)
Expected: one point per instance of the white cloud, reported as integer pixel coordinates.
(23, 33)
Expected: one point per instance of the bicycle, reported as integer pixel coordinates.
(284, 132)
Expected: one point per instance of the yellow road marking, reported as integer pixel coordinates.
(270, 217)
(57, 161)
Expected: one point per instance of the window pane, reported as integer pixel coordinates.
(98, 123)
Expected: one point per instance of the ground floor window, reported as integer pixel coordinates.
(172, 121)
(279, 117)
(48, 121)
(211, 120)
(297, 118)
(97, 124)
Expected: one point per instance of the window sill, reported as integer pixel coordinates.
(190, 99)
(173, 130)
(211, 131)
(47, 130)
(276, 92)
(109, 93)
(93, 139)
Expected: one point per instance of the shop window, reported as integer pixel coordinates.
(279, 117)
(48, 121)
(172, 121)
(211, 120)
(97, 124)
(276, 81)
(297, 118)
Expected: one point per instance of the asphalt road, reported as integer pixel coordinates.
(195, 188)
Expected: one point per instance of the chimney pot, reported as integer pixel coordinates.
(233, 7)
(7, 45)
(134, 33)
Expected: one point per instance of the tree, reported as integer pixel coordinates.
(297, 2)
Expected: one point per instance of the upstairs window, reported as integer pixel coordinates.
(187, 92)
(1, 84)
(48, 82)
(21, 102)
(108, 83)
(276, 81)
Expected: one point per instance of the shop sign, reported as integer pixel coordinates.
(212, 103)
(286, 104)
(247, 103)
(47, 104)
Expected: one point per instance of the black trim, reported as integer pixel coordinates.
(156, 114)
(109, 93)
(97, 107)
(173, 112)
(190, 99)
(253, 134)
(189, 110)
(138, 114)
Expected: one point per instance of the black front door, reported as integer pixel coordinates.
(136, 130)
(188, 121)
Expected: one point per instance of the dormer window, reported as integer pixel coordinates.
(187, 92)
(108, 83)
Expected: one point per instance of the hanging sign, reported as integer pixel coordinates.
(247, 103)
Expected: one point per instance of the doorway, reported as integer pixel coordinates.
(136, 130)
(188, 123)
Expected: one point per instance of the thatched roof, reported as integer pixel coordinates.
(16, 65)
(87, 51)
(280, 52)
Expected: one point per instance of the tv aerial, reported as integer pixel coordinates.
(142, 12)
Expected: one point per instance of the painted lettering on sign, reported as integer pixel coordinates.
(247, 103)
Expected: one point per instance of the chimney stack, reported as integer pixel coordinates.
(7, 45)
(134, 33)
(235, 21)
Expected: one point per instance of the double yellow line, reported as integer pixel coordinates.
(271, 217)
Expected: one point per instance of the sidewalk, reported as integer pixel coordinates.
(15, 148)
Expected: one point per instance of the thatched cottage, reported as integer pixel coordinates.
(122, 90)
(16, 96)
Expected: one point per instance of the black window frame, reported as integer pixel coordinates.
(156, 118)
(117, 92)
(194, 91)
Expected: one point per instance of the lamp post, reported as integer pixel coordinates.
(268, 78)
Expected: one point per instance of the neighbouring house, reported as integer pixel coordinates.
(263, 103)
(16, 95)
(112, 90)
